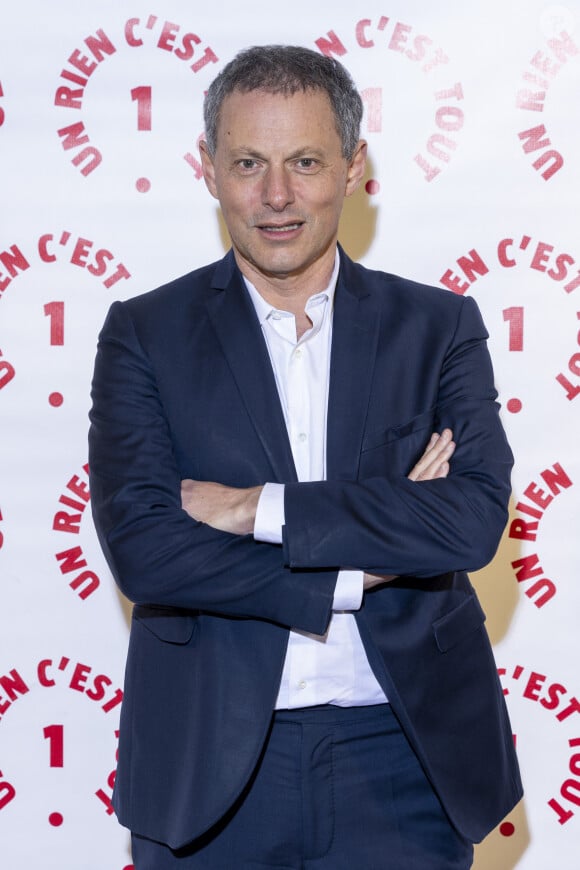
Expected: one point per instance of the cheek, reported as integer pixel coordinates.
(234, 210)
(246, 205)
(331, 197)
(329, 209)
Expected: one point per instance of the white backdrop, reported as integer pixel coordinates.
(473, 126)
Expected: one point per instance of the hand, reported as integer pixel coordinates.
(433, 464)
(226, 508)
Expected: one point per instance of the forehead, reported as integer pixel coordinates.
(260, 117)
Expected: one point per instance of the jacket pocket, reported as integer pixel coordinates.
(452, 628)
(167, 623)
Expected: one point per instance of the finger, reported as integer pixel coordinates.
(434, 450)
(445, 437)
(432, 442)
(429, 467)
(439, 467)
(442, 471)
(372, 580)
(422, 463)
(436, 444)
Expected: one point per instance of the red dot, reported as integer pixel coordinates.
(143, 185)
(56, 399)
(129, 867)
(514, 406)
(506, 829)
(372, 186)
(56, 819)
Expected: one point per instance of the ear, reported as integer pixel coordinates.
(208, 167)
(356, 168)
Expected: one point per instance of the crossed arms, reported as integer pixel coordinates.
(385, 525)
(233, 509)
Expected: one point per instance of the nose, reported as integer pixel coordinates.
(277, 189)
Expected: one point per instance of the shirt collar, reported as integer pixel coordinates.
(264, 309)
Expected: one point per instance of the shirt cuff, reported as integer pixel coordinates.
(270, 514)
(270, 518)
(348, 591)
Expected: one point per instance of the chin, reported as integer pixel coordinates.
(278, 266)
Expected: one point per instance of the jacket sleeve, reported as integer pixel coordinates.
(157, 553)
(391, 525)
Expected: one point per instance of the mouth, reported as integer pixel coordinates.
(280, 229)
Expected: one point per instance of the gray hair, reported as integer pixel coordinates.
(286, 69)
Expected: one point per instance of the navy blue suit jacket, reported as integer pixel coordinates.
(184, 388)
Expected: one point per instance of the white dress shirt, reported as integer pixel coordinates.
(331, 668)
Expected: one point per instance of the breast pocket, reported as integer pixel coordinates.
(396, 449)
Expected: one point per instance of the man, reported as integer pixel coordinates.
(309, 681)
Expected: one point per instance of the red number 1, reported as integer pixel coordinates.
(55, 310)
(515, 317)
(142, 96)
(55, 734)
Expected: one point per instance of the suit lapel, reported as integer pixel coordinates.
(354, 346)
(240, 335)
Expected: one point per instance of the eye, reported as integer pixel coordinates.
(247, 163)
(307, 163)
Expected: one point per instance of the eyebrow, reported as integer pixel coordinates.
(306, 150)
(242, 150)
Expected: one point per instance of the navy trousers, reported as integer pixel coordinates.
(335, 789)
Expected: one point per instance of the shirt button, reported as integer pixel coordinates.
(297, 353)
(302, 684)
(302, 437)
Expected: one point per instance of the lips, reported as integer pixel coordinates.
(273, 228)
(284, 232)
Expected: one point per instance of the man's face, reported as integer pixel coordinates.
(280, 177)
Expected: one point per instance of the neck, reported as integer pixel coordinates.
(290, 292)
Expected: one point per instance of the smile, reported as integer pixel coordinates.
(286, 228)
